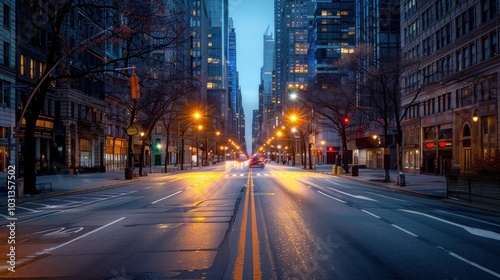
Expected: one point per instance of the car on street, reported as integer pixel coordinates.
(257, 162)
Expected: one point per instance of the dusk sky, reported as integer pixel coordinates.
(251, 19)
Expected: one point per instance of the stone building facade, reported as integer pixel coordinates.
(454, 119)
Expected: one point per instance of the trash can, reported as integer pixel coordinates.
(339, 170)
(402, 181)
(355, 170)
(129, 173)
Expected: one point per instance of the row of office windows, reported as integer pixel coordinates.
(30, 67)
(462, 58)
(462, 24)
(487, 9)
(465, 96)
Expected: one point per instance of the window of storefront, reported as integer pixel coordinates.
(85, 152)
(489, 135)
(466, 145)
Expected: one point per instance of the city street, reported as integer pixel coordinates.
(228, 221)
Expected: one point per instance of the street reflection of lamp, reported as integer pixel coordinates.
(475, 117)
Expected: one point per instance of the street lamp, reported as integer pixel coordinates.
(475, 117)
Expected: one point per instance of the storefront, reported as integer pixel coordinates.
(116, 153)
(437, 149)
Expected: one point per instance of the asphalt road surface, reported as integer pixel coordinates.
(232, 222)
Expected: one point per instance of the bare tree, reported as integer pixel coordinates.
(335, 108)
(379, 85)
(132, 26)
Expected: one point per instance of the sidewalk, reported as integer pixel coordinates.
(420, 184)
(68, 183)
(429, 185)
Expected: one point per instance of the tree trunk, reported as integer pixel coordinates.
(304, 153)
(29, 155)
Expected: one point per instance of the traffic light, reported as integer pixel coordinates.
(134, 87)
(346, 120)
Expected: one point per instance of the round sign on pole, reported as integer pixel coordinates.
(132, 130)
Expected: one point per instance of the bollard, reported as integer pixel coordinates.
(334, 169)
(339, 170)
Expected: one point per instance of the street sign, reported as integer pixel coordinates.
(132, 130)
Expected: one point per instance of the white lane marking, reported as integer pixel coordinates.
(471, 263)
(45, 251)
(470, 218)
(34, 211)
(335, 183)
(188, 188)
(369, 213)
(471, 230)
(404, 230)
(166, 197)
(40, 204)
(387, 197)
(352, 195)
(331, 197)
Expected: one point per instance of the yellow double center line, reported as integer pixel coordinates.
(240, 257)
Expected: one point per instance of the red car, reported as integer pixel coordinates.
(257, 162)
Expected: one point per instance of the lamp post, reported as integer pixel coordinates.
(141, 155)
(158, 146)
(199, 127)
(131, 129)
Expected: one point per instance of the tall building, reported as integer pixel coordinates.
(255, 130)
(7, 84)
(291, 43)
(200, 25)
(233, 87)
(69, 129)
(378, 23)
(331, 36)
(266, 76)
(217, 84)
(454, 119)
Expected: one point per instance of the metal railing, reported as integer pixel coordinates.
(474, 188)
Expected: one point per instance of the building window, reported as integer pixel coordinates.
(22, 65)
(466, 96)
(460, 62)
(6, 16)
(489, 10)
(85, 152)
(5, 93)
(6, 54)
(32, 68)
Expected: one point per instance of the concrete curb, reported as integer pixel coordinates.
(62, 193)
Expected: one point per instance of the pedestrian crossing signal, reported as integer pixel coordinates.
(134, 87)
